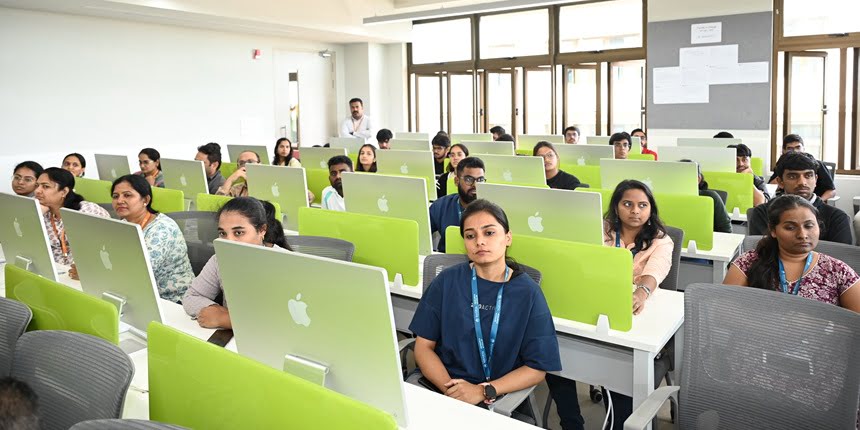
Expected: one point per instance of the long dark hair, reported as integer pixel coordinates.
(462, 148)
(65, 179)
(652, 229)
(140, 184)
(764, 272)
(259, 213)
(358, 166)
(80, 158)
(153, 155)
(276, 159)
(481, 205)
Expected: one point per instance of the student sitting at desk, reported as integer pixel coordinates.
(283, 155)
(784, 260)
(555, 177)
(55, 190)
(504, 313)
(383, 138)
(131, 197)
(497, 131)
(24, 178)
(150, 167)
(243, 219)
(742, 165)
(440, 143)
(210, 155)
(824, 187)
(571, 135)
(332, 196)
(448, 210)
(76, 164)
(621, 142)
(632, 222)
(366, 161)
(456, 154)
(795, 173)
(230, 187)
(643, 139)
(722, 222)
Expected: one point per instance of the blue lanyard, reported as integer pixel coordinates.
(783, 283)
(618, 241)
(486, 363)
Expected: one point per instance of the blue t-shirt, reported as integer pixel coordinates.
(445, 212)
(526, 333)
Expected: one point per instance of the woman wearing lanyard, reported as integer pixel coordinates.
(483, 328)
(784, 259)
(131, 197)
(54, 190)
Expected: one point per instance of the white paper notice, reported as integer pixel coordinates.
(690, 58)
(670, 87)
(752, 73)
(723, 55)
(709, 32)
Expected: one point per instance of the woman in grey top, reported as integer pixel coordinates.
(243, 219)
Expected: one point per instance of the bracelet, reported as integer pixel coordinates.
(647, 291)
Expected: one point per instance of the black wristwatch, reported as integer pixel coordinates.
(489, 393)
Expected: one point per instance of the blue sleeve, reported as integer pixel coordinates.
(427, 321)
(435, 215)
(540, 346)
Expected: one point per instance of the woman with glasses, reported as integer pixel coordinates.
(621, 142)
(24, 178)
(150, 167)
(555, 177)
(448, 210)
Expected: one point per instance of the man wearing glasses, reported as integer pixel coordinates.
(447, 210)
(240, 189)
(621, 142)
(24, 178)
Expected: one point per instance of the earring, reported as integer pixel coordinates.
(649, 221)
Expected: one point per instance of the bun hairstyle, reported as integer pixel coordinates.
(65, 179)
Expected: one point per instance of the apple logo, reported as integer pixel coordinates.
(17, 226)
(323, 165)
(535, 223)
(106, 258)
(382, 204)
(580, 161)
(275, 191)
(113, 173)
(299, 311)
(404, 169)
(508, 176)
(183, 181)
(647, 181)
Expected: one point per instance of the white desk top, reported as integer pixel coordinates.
(725, 247)
(739, 217)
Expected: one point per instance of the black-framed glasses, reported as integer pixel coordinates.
(469, 180)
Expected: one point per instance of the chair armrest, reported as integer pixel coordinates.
(406, 344)
(507, 404)
(642, 416)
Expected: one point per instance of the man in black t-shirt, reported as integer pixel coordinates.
(824, 188)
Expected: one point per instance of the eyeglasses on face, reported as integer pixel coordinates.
(469, 180)
(24, 179)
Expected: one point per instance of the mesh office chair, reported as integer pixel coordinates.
(434, 265)
(849, 254)
(109, 208)
(77, 377)
(328, 247)
(118, 424)
(14, 318)
(724, 195)
(765, 360)
(199, 254)
(197, 226)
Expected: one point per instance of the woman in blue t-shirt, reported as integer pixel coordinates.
(513, 344)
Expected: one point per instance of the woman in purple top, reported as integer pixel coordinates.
(784, 259)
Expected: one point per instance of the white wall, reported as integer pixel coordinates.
(79, 84)
(668, 10)
(376, 73)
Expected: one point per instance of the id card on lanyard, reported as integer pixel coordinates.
(783, 283)
(486, 359)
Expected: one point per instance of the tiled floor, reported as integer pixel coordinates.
(594, 413)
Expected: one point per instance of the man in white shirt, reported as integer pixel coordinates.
(358, 124)
(332, 196)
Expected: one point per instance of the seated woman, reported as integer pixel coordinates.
(631, 222)
(243, 219)
(555, 177)
(483, 327)
(283, 155)
(150, 167)
(455, 154)
(366, 161)
(24, 178)
(132, 201)
(784, 260)
(722, 221)
(76, 164)
(55, 190)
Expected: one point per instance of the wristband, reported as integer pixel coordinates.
(647, 291)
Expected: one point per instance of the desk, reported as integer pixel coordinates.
(726, 246)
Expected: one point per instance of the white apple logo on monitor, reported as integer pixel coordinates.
(182, 180)
(275, 190)
(382, 204)
(17, 226)
(113, 173)
(508, 176)
(106, 258)
(323, 164)
(299, 311)
(535, 223)
(581, 160)
(647, 181)
(404, 169)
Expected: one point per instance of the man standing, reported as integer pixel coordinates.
(210, 155)
(824, 187)
(448, 210)
(571, 135)
(358, 124)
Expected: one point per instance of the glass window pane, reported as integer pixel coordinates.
(830, 150)
(582, 100)
(627, 88)
(539, 101)
(462, 104)
(805, 17)
(600, 26)
(807, 98)
(442, 41)
(429, 105)
(515, 34)
(499, 100)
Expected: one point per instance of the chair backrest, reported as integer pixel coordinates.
(109, 208)
(831, 168)
(759, 359)
(199, 254)
(723, 195)
(197, 226)
(750, 243)
(671, 281)
(436, 263)
(328, 247)
(849, 254)
(14, 317)
(77, 377)
(124, 424)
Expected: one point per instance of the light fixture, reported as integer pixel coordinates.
(325, 54)
(443, 12)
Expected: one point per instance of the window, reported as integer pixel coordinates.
(429, 99)
(462, 103)
(806, 17)
(600, 26)
(515, 34)
(442, 41)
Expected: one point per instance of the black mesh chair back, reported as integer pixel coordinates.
(723, 195)
(14, 318)
(434, 265)
(197, 226)
(124, 425)
(671, 281)
(328, 247)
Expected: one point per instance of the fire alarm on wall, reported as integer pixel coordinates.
(257, 54)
